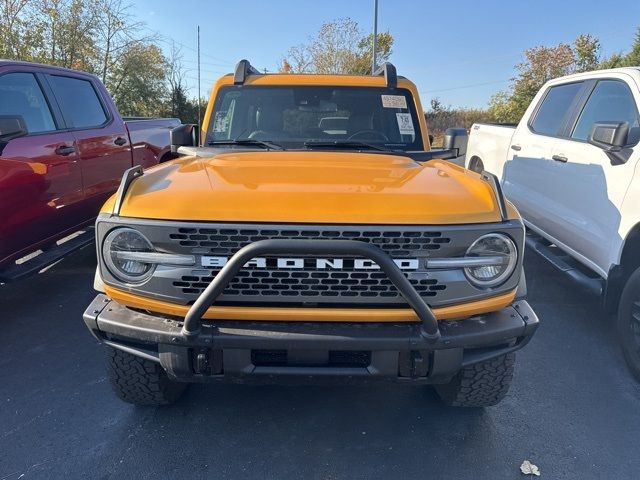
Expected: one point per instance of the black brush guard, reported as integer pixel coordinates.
(193, 320)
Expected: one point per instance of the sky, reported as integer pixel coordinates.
(461, 51)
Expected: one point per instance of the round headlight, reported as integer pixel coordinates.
(500, 255)
(117, 245)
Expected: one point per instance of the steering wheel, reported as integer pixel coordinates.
(369, 135)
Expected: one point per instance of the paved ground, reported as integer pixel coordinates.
(573, 409)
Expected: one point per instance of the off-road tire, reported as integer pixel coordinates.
(481, 385)
(139, 381)
(628, 323)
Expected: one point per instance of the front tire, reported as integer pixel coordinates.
(139, 381)
(628, 324)
(483, 384)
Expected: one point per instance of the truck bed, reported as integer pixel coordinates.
(488, 145)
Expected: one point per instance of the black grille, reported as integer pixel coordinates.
(227, 241)
(306, 285)
(294, 283)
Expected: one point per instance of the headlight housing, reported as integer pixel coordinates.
(116, 253)
(501, 257)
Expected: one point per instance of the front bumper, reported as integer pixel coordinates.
(243, 350)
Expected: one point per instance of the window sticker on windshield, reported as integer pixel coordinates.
(220, 122)
(394, 101)
(405, 124)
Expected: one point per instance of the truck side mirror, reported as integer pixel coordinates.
(186, 135)
(12, 126)
(613, 138)
(456, 138)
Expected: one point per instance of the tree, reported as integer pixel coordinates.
(384, 44)
(137, 81)
(586, 49)
(19, 30)
(67, 31)
(338, 48)
(542, 64)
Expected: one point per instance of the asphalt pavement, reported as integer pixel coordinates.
(573, 409)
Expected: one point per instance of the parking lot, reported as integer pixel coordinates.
(573, 408)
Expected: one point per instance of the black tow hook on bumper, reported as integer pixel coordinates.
(193, 319)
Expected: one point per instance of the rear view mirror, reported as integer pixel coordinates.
(456, 138)
(12, 126)
(186, 135)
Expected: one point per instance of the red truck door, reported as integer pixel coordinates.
(41, 179)
(100, 134)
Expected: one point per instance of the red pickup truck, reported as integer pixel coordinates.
(63, 150)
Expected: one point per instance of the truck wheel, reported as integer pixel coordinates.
(481, 385)
(629, 323)
(139, 381)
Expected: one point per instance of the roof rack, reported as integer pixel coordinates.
(243, 70)
(390, 75)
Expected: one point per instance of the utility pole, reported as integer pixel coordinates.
(199, 114)
(375, 36)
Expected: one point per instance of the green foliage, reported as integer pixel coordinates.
(137, 81)
(441, 117)
(545, 63)
(96, 36)
(339, 47)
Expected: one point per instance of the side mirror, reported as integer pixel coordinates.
(613, 138)
(186, 135)
(12, 126)
(430, 140)
(456, 138)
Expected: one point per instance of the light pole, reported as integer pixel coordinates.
(375, 36)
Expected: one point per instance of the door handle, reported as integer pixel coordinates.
(560, 158)
(65, 150)
(120, 141)
(517, 148)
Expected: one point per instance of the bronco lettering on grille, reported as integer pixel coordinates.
(312, 263)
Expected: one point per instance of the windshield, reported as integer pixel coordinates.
(297, 116)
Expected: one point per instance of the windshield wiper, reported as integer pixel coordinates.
(248, 142)
(345, 144)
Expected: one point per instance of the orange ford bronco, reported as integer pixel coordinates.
(308, 231)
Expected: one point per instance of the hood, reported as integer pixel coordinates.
(311, 187)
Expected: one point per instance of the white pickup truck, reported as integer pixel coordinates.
(572, 167)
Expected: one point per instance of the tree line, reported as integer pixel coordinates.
(102, 37)
(540, 64)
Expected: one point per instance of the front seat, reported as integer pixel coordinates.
(358, 123)
(269, 125)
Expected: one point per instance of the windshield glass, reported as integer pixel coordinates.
(291, 116)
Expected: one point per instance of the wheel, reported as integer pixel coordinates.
(476, 165)
(481, 385)
(628, 324)
(139, 381)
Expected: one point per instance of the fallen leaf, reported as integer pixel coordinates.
(529, 468)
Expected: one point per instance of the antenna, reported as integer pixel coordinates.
(375, 36)
(199, 107)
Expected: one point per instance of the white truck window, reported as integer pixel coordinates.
(555, 106)
(610, 101)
